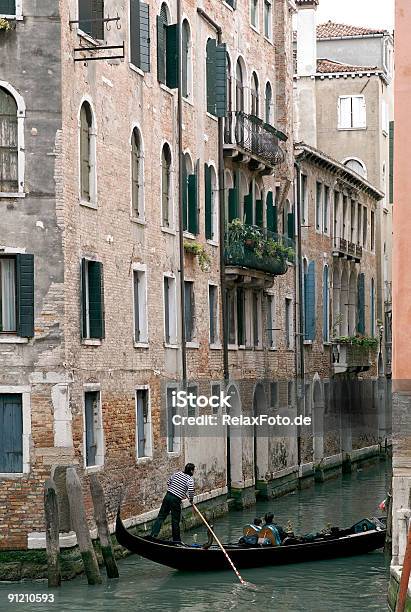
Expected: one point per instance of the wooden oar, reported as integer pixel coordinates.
(237, 573)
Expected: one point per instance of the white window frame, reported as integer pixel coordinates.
(271, 319)
(141, 218)
(100, 454)
(319, 207)
(193, 343)
(217, 343)
(326, 200)
(290, 346)
(359, 161)
(304, 199)
(268, 36)
(176, 439)
(255, 26)
(21, 115)
(349, 125)
(25, 392)
(170, 229)
(173, 343)
(214, 205)
(148, 431)
(92, 203)
(143, 341)
(189, 96)
(18, 16)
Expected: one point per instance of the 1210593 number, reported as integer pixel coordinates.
(31, 598)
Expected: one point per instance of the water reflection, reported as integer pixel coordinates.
(357, 584)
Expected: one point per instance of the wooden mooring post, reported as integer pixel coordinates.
(79, 524)
(52, 523)
(100, 517)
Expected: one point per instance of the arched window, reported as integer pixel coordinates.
(239, 87)
(258, 205)
(357, 165)
(255, 98)
(211, 217)
(167, 48)
(9, 145)
(372, 308)
(186, 60)
(326, 306)
(269, 103)
(87, 154)
(166, 207)
(137, 176)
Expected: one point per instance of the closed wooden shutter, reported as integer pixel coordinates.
(144, 37)
(291, 225)
(95, 299)
(188, 310)
(85, 16)
(248, 209)
(8, 7)
(221, 80)
(135, 57)
(184, 196)
(97, 15)
(211, 76)
(269, 205)
(161, 47)
(25, 295)
(208, 203)
(259, 213)
(11, 433)
(137, 330)
(90, 407)
(361, 304)
(185, 39)
(233, 198)
(8, 143)
(83, 298)
(309, 287)
(192, 204)
(172, 56)
(241, 317)
(167, 309)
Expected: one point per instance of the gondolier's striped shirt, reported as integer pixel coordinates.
(181, 485)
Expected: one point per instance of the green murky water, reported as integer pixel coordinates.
(356, 584)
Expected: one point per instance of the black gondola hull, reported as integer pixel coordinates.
(212, 559)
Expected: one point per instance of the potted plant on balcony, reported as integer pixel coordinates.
(5, 24)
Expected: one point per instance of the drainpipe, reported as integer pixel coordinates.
(299, 263)
(180, 201)
(222, 230)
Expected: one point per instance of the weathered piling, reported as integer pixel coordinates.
(79, 524)
(100, 517)
(51, 514)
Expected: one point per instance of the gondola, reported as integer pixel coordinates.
(344, 543)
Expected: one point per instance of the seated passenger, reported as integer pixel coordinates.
(250, 532)
(271, 534)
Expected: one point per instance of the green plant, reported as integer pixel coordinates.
(365, 342)
(258, 240)
(5, 24)
(199, 251)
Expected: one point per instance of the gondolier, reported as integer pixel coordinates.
(179, 486)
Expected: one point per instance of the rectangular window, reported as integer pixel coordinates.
(170, 324)
(353, 209)
(215, 392)
(140, 35)
(271, 335)
(11, 433)
(216, 78)
(91, 17)
(213, 313)
(8, 8)
(304, 198)
(359, 229)
(273, 394)
(344, 227)
(241, 320)
(140, 306)
(288, 323)
(8, 315)
(352, 113)
(143, 424)
(326, 209)
(189, 310)
(173, 445)
(336, 214)
(254, 13)
(256, 318)
(191, 406)
(372, 231)
(318, 206)
(92, 299)
(364, 227)
(267, 19)
(93, 429)
(231, 312)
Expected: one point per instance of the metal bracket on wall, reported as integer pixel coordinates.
(106, 20)
(98, 57)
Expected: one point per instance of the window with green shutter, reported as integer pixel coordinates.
(9, 150)
(87, 152)
(241, 335)
(309, 302)
(185, 59)
(291, 225)
(192, 204)
(17, 295)
(92, 300)
(8, 7)
(216, 73)
(140, 35)
(233, 204)
(91, 17)
(167, 50)
(208, 203)
(166, 209)
(271, 212)
(259, 215)
(361, 304)
(248, 209)
(11, 433)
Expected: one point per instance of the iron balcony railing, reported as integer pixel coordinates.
(255, 137)
(358, 251)
(351, 249)
(257, 248)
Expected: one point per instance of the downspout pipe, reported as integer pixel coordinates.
(299, 260)
(180, 200)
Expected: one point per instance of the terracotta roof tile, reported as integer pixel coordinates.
(335, 30)
(326, 66)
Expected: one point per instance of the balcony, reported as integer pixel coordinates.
(350, 357)
(248, 140)
(340, 247)
(358, 253)
(351, 250)
(256, 252)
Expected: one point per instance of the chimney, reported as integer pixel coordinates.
(307, 37)
(305, 115)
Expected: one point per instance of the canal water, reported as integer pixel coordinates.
(357, 584)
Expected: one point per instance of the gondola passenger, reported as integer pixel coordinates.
(271, 534)
(251, 532)
(179, 486)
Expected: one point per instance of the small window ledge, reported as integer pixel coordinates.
(138, 220)
(142, 460)
(189, 101)
(91, 342)
(94, 41)
(18, 17)
(93, 469)
(193, 345)
(189, 235)
(11, 339)
(308, 342)
(173, 453)
(12, 475)
(87, 204)
(136, 69)
(171, 346)
(213, 117)
(17, 194)
(164, 87)
(143, 345)
(255, 28)
(168, 230)
(230, 8)
(233, 347)
(269, 40)
(215, 346)
(273, 349)
(213, 243)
